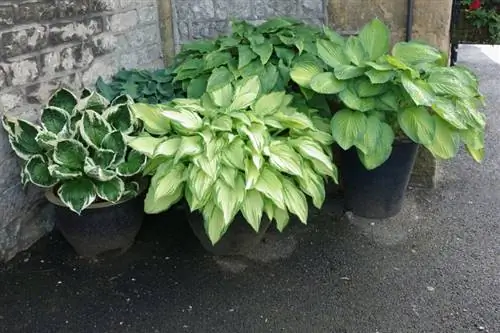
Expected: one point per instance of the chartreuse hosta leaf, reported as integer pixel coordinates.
(77, 194)
(312, 184)
(304, 71)
(184, 118)
(445, 142)
(270, 185)
(327, 83)
(229, 198)
(418, 124)
(252, 208)
(150, 115)
(348, 127)
(415, 52)
(375, 39)
(354, 51)
(245, 93)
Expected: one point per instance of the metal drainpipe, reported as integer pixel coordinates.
(409, 20)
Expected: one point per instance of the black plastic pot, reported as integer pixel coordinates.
(103, 227)
(378, 193)
(239, 239)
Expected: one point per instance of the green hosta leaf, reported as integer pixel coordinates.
(379, 77)
(167, 148)
(418, 124)
(219, 78)
(326, 83)
(369, 139)
(253, 68)
(155, 206)
(37, 172)
(312, 184)
(353, 101)
(145, 144)
(354, 51)
(295, 120)
(222, 97)
(264, 50)
(116, 142)
(97, 172)
(186, 119)
(445, 141)
(365, 88)
(346, 72)
(268, 78)
(276, 24)
(333, 35)
(134, 164)
(54, 119)
(222, 123)
(104, 157)
(396, 63)
(229, 199)
(347, 127)
(448, 111)
(246, 92)
(154, 122)
(245, 55)
(312, 151)
(295, 200)
(120, 118)
(285, 159)
(446, 81)
(111, 190)
(282, 218)
(418, 90)
(94, 101)
(23, 141)
(63, 99)
(189, 146)
(105, 90)
(131, 190)
(46, 139)
(70, 153)
(390, 101)
(197, 87)
(380, 65)
(93, 128)
(270, 185)
(252, 208)
(61, 172)
(471, 114)
(304, 71)
(234, 154)
(214, 222)
(269, 103)
(477, 154)
(415, 53)
(332, 53)
(380, 151)
(375, 38)
(215, 59)
(474, 141)
(166, 181)
(77, 194)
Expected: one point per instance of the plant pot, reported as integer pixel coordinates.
(103, 227)
(240, 238)
(378, 193)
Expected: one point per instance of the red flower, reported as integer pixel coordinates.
(476, 4)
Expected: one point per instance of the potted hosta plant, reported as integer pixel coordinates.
(239, 158)
(388, 105)
(79, 155)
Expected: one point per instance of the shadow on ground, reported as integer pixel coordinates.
(434, 268)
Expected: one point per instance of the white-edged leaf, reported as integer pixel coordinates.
(54, 119)
(120, 117)
(77, 194)
(246, 92)
(133, 164)
(97, 172)
(70, 153)
(62, 172)
(63, 99)
(115, 141)
(94, 101)
(111, 190)
(257, 134)
(37, 172)
(93, 128)
(46, 139)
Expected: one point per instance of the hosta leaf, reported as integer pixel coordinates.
(379, 77)
(166, 181)
(353, 101)
(369, 139)
(471, 114)
(36, 170)
(93, 128)
(282, 218)
(94, 101)
(354, 51)
(61, 172)
(245, 55)
(448, 111)
(270, 185)
(228, 199)
(46, 139)
(246, 92)
(365, 88)
(222, 123)
(304, 71)
(63, 99)
(156, 206)
(446, 81)
(197, 87)
(332, 53)
(268, 78)
(167, 148)
(187, 119)
(257, 134)
(445, 141)
(414, 53)
(116, 142)
(214, 222)
(97, 172)
(145, 144)
(70, 153)
(219, 78)
(224, 96)
(326, 83)
(200, 184)
(189, 146)
(104, 157)
(418, 124)
(24, 139)
(252, 208)
(347, 127)
(154, 122)
(295, 200)
(418, 90)
(313, 151)
(294, 120)
(285, 159)
(54, 119)
(333, 35)
(346, 72)
(253, 68)
(375, 38)
(111, 190)
(381, 151)
(474, 141)
(134, 164)
(131, 190)
(234, 154)
(269, 103)
(264, 50)
(120, 118)
(215, 59)
(312, 184)
(269, 208)
(77, 194)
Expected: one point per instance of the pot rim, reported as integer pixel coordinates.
(54, 199)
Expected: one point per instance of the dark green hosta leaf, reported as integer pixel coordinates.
(217, 58)
(54, 119)
(445, 141)
(348, 127)
(418, 90)
(96, 172)
(346, 72)
(379, 77)
(449, 112)
(134, 164)
(93, 128)
(332, 53)
(131, 190)
(219, 78)
(264, 50)
(104, 157)
(77, 194)
(275, 24)
(375, 38)
(115, 142)
(415, 53)
(70, 153)
(354, 51)
(326, 83)
(36, 170)
(111, 190)
(245, 55)
(63, 99)
(255, 67)
(268, 78)
(23, 141)
(105, 90)
(46, 139)
(418, 124)
(381, 151)
(197, 87)
(285, 54)
(61, 172)
(95, 102)
(120, 117)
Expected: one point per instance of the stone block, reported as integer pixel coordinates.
(4, 79)
(105, 67)
(79, 8)
(26, 40)
(194, 9)
(228, 9)
(50, 63)
(103, 44)
(312, 8)
(6, 16)
(123, 21)
(183, 30)
(78, 56)
(74, 31)
(10, 100)
(143, 36)
(23, 71)
(34, 12)
(148, 14)
(201, 30)
(270, 8)
(149, 54)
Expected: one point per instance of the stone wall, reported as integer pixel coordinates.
(47, 43)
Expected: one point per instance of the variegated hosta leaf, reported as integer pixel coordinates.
(210, 165)
(228, 175)
(120, 117)
(270, 185)
(154, 122)
(154, 163)
(167, 181)
(252, 208)
(23, 142)
(228, 198)
(314, 152)
(282, 218)
(131, 190)
(70, 153)
(146, 145)
(258, 135)
(200, 185)
(312, 184)
(246, 92)
(295, 200)
(104, 157)
(93, 128)
(154, 205)
(94, 101)
(9, 124)
(252, 174)
(189, 146)
(270, 103)
(222, 97)
(46, 139)
(284, 158)
(122, 99)
(269, 208)
(116, 142)
(37, 171)
(77, 194)
(111, 190)
(134, 164)
(214, 222)
(63, 99)
(222, 123)
(62, 172)
(294, 120)
(188, 120)
(54, 119)
(96, 172)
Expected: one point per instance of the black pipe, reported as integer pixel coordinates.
(409, 20)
